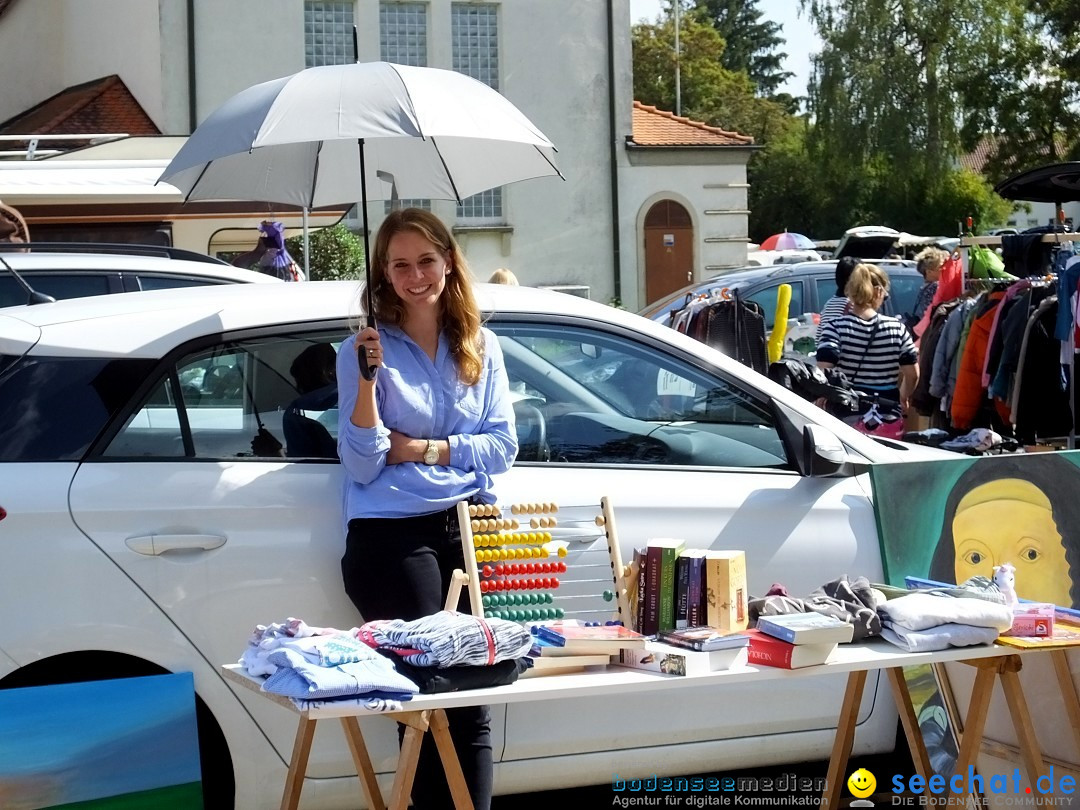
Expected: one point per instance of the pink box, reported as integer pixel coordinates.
(1032, 619)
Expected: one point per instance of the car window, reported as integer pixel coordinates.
(272, 397)
(58, 285)
(590, 397)
(767, 296)
(53, 408)
(826, 289)
(903, 290)
(172, 282)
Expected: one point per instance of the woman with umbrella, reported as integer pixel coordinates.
(427, 432)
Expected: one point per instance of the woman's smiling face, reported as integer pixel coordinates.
(417, 269)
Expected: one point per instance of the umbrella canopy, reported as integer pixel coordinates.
(425, 133)
(1054, 183)
(788, 241)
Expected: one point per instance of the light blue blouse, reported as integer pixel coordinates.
(424, 400)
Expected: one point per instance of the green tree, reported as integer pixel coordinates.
(887, 96)
(336, 253)
(1024, 95)
(710, 92)
(751, 43)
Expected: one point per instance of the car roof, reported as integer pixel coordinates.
(64, 261)
(750, 275)
(148, 324)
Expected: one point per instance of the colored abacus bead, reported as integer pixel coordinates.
(609, 596)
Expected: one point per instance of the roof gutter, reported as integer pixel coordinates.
(616, 250)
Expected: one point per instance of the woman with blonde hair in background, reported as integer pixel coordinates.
(872, 349)
(503, 276)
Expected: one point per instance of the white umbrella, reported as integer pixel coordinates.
(343, 133)
(425, 132)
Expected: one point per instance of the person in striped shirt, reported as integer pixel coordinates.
(838, 304)
(873, 350)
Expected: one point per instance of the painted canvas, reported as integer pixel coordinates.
(107, 745)
(956, 518)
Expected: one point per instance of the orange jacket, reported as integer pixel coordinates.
(969, 393)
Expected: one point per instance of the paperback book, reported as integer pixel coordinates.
(806, 628)
(769, 651)
(703, 637)
(667, 660)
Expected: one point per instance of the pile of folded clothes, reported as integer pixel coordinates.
(383, 663)
(961, 616)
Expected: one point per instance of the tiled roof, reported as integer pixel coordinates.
(975, 160)
(653, 127)
(103, 105)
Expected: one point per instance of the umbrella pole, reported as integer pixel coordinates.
(307, 251)
(366, 370)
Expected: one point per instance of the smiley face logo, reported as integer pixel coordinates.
(861, 783)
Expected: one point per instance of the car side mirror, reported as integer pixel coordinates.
(823, 453)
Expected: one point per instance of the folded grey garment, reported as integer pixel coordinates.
(851, 602)
(976, 587)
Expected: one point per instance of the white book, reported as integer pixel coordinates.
(668, 660)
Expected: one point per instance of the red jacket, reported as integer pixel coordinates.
(969, 393)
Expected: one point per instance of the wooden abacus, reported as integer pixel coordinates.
(525, 564)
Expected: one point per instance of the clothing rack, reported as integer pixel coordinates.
(967, 241)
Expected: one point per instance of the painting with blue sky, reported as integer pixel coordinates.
(101, 745)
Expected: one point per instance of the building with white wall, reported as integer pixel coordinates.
(565, 63)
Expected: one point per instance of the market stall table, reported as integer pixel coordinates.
(427, 712)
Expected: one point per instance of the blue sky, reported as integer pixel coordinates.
(800, 40)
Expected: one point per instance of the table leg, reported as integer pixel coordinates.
(416, 726)
(1030, 752)
(845, 736)
(910, 721)
(975, 719)
(455, 778)
(1068, 692)
(294, 781)
(363, 763)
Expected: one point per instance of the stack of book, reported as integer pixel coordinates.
(679, 587)
(563, 638)
(796, 640)
(691, 651)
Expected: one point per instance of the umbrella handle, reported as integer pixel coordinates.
(368, 372)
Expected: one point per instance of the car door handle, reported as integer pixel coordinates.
(154, 544)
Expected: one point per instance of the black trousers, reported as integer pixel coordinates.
(400, 568)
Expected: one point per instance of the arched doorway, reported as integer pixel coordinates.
(669, 249)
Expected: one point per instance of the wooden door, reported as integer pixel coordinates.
(669, 249)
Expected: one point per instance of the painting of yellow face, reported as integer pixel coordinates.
(1017, 532)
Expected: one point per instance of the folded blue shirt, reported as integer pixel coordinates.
(297, 677)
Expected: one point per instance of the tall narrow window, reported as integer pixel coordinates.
(403, 41)
(328, 33)
(475, 48)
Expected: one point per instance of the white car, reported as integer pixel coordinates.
(140, 534)
(112, 269)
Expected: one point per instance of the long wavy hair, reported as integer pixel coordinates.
(1051, 475)
(459, 314)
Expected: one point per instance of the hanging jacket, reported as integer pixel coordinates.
(925, 402)
(1042, 399)
(944, 377)
(969, 392)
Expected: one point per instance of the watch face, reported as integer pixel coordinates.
(431, 455)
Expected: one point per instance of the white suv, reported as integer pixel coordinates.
(70, 271)
(141, 533)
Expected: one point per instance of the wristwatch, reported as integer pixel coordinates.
(431, 454)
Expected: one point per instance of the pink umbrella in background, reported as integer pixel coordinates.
(788, 241)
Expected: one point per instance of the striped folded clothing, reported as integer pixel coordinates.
(297, 677)
(447, 639)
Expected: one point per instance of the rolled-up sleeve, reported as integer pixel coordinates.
(362, 450)
(492, 448)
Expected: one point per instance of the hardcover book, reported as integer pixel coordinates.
(696, 606)
(704, 637)
(640, 558)
(581, 638)
(725, 583)
(682, 591)
(658, 657)
(806, 628)
(766, 650)
(650, 606)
